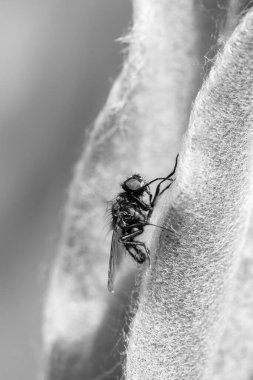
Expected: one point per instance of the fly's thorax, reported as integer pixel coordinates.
(135, 215)
(144, 197)
(128, 210)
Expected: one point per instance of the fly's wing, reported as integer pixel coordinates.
(113, 262)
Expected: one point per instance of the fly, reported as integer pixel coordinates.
(131, 212)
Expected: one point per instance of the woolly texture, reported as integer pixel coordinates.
(195, 315)
(184, 328)
(130, 135)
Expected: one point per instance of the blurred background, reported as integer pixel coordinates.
(57, 62)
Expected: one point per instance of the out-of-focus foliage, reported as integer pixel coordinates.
(56, 61)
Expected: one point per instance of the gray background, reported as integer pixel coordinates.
(57, 62)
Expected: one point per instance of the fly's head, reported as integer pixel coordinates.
(134, 184)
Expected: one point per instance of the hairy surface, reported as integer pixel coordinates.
(195, 302)
(130, 135)
(186, 305)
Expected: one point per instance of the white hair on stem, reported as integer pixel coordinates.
(184, 327)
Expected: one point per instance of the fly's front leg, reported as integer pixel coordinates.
(167, 187)
(158, 192)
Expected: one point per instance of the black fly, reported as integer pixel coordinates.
(131, 212)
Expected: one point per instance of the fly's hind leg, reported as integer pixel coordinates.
(139, 256)
(128, 242)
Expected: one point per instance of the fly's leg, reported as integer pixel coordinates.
(166, 188)
(127, 240)
(138, 256)
(135, 244)
(128, 236)
(136, 225)
(158, 192)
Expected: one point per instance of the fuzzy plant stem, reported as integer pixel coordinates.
(146, 112)
(188, 295)
(178, 332)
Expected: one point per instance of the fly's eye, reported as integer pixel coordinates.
(133, 184)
